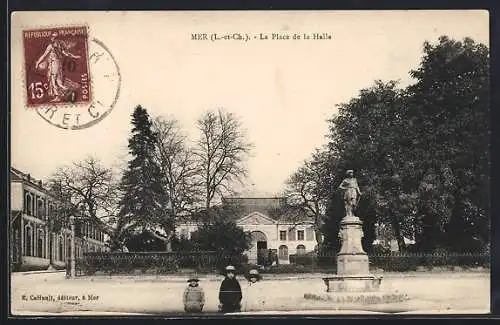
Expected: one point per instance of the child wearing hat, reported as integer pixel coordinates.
(230, 292)
(251, 297)
(253, 276)
(194, 297)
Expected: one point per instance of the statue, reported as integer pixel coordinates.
(351, 193)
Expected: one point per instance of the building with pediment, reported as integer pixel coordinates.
(271, 231)
(32, 245)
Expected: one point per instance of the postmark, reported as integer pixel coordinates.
(72, 80)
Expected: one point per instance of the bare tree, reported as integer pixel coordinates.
(306, 191)
(222, 151)
(178, 170)
(89, 189)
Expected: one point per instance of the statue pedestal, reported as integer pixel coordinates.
(352, 259)
(353, 266)
(353, 283)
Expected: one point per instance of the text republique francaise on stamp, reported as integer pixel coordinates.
(71, 82)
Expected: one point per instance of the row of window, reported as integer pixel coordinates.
(290, 235)
(37, 206)
(45, 208)
(90, 231)
(36, 244)
(283, 251)
(36, 241)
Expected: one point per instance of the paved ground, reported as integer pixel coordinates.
(429, 293)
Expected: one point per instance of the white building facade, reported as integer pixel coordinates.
(32, 245)
(278, 235)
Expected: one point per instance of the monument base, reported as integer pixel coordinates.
(352, 283)
(358, 298)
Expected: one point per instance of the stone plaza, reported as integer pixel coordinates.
(429, 293)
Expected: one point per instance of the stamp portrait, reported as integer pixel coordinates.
(56, 66)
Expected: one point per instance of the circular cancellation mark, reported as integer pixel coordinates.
(105, 82)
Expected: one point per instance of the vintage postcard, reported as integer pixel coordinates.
(249, 163)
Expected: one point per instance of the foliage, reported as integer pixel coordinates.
(144, 241)
(421, 154)
(224, 236)
(449, 111)
(144, 199)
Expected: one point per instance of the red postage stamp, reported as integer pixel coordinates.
(56, 65)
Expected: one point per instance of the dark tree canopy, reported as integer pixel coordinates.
(144, 201)
(420, 154)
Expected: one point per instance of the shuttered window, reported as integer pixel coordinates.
(291, 234)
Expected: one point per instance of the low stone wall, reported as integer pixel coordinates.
(30, 263)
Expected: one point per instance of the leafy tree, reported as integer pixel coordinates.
(144, 241)
(368, 136)
(422, 154)
(449, 115)
(144, 199)
(222, 150)
(224, 237)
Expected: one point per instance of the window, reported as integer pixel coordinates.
(60, 255)
(40, 209)
(300, 234)
(40, 247)
(301, 249)
(283, 252)
(28, 204)
(282, 234)
(28, 240)
(49, 209)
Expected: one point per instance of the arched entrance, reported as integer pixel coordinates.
(258, 252)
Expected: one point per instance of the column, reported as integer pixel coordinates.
(73, 247)
(22, 234)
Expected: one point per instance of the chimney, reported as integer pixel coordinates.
(29, 178)
(40, 183)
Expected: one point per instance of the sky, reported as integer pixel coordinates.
(282, 90)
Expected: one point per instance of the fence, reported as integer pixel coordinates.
(396, 262)
(115, 263)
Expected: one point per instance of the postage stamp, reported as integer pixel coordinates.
(72, 80)
(56, 65)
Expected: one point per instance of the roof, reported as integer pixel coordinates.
(14, 214)
(246, 205)
(235, 208)
(18, 176)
